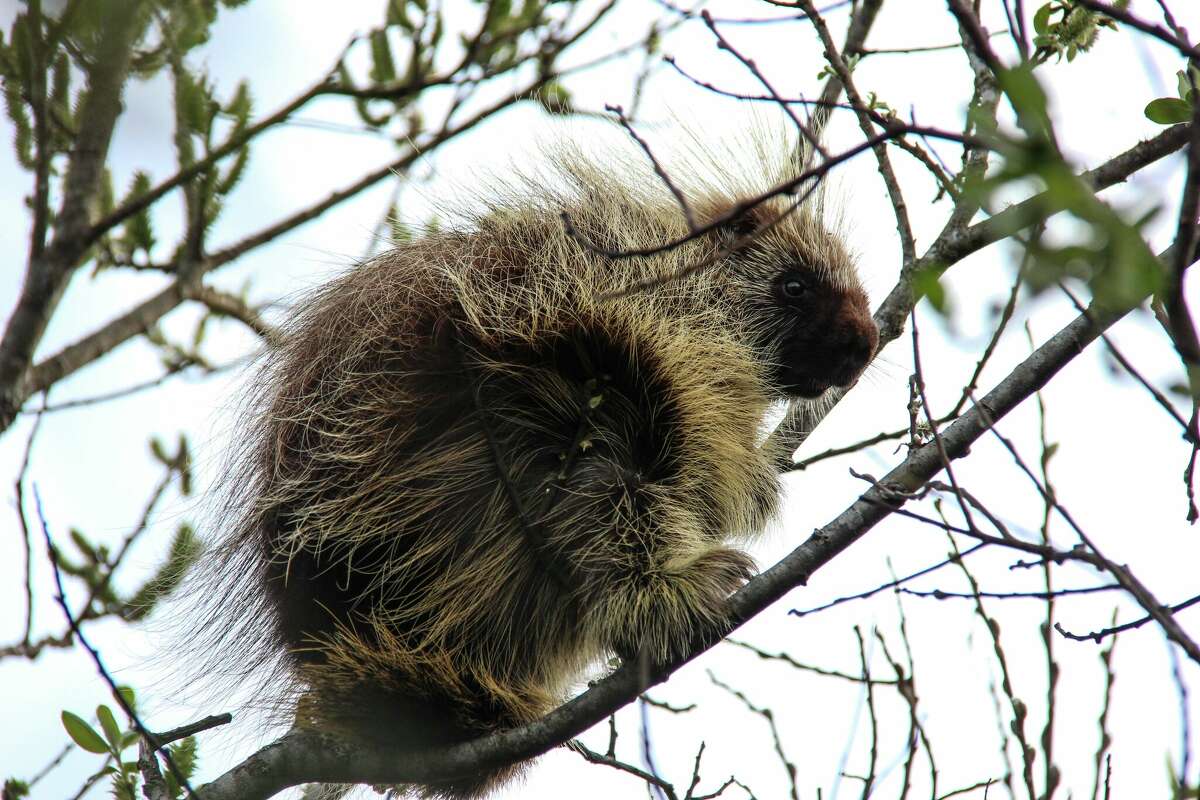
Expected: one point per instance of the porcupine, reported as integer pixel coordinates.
(481, 461)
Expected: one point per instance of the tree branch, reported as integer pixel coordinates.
(50, 269)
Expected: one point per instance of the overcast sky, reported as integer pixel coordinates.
(1118, 467)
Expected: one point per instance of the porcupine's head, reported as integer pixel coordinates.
(805, 310)
(780, 267)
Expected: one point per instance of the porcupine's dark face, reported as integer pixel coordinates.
(811, 321)
(826, 335)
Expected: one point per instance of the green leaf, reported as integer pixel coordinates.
(20, 48)
(1028, 99)
(555, 98)
(1168, 110)
(401, 233)
(1041, 19)
(926, 285)
(60, 93)
(124, 787)
(20, 119)
(138, 231)
(240, 105)
(85, 547)
(128, 695)
(1182, 84)
(15, 789)
(396, 15)
(183, 463)
(83, 734)
(108, 724)
(191, 102)
(383, 67)
(185, 550)
(184, 754)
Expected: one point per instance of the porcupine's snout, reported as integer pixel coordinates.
(853, 341)
(832, 340)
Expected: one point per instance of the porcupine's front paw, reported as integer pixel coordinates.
(677, 610)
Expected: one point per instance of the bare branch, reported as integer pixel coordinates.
(1100, 635)
(903, 226)
(61, 598)
(228, 305)
(592, 757)
(769, 715)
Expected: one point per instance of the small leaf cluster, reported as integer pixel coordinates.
(112, 740)
(185, 549)
(175, 356)
(850, 60)
(402, 55)
(404, 50)
(14, 789)
(94, 564)
(1113, 258)
(1063, 28)
(38, 64)
(497, 46)
(1173, 110)
(204, 123)
(43, 64)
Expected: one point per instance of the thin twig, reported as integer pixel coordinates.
(658, 167)
(806, 131)
(592, 757)
(61, 598)
(23, 522)
(953, 559)
(1110, 677)
(941, 594)
(1100, 635)
(1128, 366)
(767, 714)
(873, 758)
(903, 226)
(792, 662)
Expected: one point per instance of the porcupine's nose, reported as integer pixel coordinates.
(858, 338)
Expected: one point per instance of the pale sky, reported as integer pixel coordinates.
(1118, 467)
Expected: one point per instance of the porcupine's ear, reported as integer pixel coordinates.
(740, 229)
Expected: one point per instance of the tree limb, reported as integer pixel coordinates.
(50, 269)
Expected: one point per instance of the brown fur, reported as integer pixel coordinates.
(472, 471)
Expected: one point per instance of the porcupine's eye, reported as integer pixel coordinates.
(793, 286)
